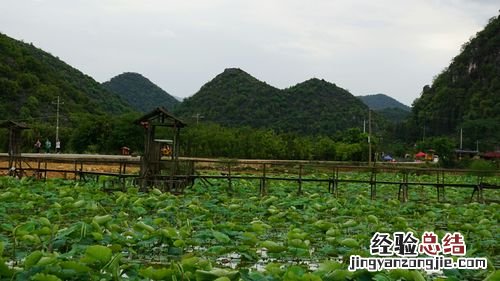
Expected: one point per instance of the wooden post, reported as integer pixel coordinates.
(230, 187)
(45, 172)
(300, 180)
(373, 184)
(38, 171)
(403, 188)
(263, 188)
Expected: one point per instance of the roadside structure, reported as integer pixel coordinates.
(15, 138)
(163, 172)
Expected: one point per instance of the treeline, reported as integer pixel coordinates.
(101, 134)
(213, 140)
(86, 133)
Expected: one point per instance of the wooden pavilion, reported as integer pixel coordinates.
(158, 168)
(14, 150)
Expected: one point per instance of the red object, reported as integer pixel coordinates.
(430, 244)
(491, 154)
(125, 150)
(454, 244)
(420, 154)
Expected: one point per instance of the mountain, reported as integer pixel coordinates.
(235, 98)
(381, 101)
(466, 95)
(142, 94)
(32, 79)
(320, 107)
(386, 106)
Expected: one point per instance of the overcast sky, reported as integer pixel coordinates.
(385, 46)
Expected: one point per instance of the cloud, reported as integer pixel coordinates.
(388, 46)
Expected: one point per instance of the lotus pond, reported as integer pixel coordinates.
(66, 230)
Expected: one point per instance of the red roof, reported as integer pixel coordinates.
(420, 154)
(491, 154)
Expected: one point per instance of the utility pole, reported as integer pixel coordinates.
(58, 103)
(369, 137)
(364, 126)
(198, 117)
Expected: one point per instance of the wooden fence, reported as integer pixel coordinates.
(120, 169)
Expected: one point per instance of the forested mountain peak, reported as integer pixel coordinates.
(234, 81)
(32, 79)
(314, 82)
(467, 93)
(236, 98)
(142, 94)
(381, 101)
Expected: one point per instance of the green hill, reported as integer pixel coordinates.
(381, 101)
(320, 107)
(467, 93)
(31, 80)
(142, 94)
(235, 98)
(390, 108)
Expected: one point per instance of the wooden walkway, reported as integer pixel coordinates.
(82, 167)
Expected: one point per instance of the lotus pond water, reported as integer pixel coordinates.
(66, 230)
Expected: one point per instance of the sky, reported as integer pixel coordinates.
(386, 46)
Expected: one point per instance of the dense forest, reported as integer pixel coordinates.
(139, 92)
(314, 107)
(391, 109)
(466, 95)
(381, 102)
(31, 80)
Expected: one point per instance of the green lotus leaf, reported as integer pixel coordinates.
(372, 219)
(141, 226)
(169, 232)
(32, 259)
(179, 243)
(217, 250)
(44, 221)
(215, 273)
(272, 246)
(193, 263)
(97, 254)
(249, 238)
(102, 219)
(221, 237)
(298, 243)
(494, 276)
(78, 204)
(349, 223)
(46, 260)
(323, 225)
(157, 273)
(75, 266)
(45, 277)
(349, 242)
(24, 229)
(5, 271)
(484, 233)
(43, 231)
